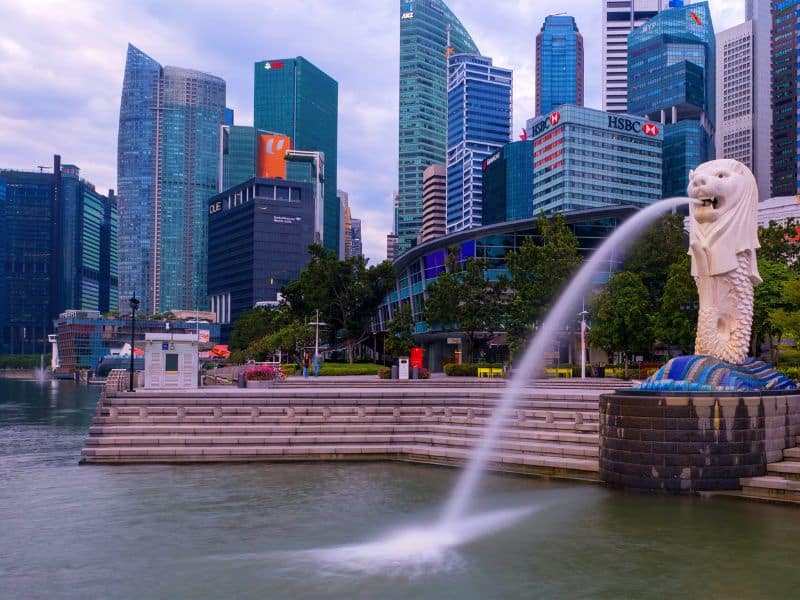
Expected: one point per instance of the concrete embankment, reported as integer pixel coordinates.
(553, 430)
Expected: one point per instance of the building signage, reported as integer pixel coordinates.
(551, 121)
(407, 15)
(454, 340)
(492, 159)
(275, 64)
(286, 220)
(555, 117)
(624, 124)
(215, 207)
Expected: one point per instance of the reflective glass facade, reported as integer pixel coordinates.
(586, 158)
(478, 124)
(785, 81)
(672, 79)
(508, 183)
(238, 155)
(423, 103)
(559, 64)
(167, 168)
(295, 98)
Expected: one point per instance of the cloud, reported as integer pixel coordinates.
(61, 68)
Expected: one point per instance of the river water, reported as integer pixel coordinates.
(288, 530)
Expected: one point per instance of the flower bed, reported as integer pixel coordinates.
(260, 373)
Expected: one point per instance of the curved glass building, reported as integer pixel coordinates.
(423, 103)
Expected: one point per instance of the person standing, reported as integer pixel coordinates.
(305, 363)
(316, 362)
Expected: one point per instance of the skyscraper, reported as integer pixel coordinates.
(671, 79)
(434, 203)
(559, 64)
(759, 13)
(785, 72)
(295, 98)
(167, 168)
(478, 124)
(508, 183)
(356, 248)
(344, 206)
(619, 19)
(423, 103)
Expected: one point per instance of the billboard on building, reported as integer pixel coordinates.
(271, 155)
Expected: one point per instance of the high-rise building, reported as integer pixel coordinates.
(478, 124)
(423, 102)
(57, 252)
(356, 248)
(671, 79)
(508, 183)
(237, 155)
(295, 98)
(391, 247)
(167, 168)
(759, 14)
(559, 64)
(785, 73)
(434, 203)
(621, 164)
(619, 19)
(344, 204)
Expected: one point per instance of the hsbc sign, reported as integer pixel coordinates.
(624, 124)
(551, 121)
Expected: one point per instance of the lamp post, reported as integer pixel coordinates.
(316, 323)
(134, 304)
(583, 314)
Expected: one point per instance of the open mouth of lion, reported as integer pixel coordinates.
(708, 201)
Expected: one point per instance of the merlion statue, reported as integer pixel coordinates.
(723, 238)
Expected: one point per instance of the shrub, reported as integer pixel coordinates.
(330, 368)
(260, 373)
(791, 372)
(424, 373)
(385, 373)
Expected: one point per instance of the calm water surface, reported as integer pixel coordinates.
(258, 531)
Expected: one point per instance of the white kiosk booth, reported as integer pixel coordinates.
(171, 360)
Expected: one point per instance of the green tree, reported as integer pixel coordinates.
(675, 322)
(400, 336)
(778, 245)
(768, 299)
(462, 298)
(621, 320)
(347, 293)
(651, 257)
(255, 324)
(538, 271)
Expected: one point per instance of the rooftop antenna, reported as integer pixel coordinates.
(449, 51)
(43, 168)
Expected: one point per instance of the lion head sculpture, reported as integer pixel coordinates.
(724, 224)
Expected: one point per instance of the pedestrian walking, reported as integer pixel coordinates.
(305, 363)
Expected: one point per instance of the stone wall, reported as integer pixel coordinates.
(691, 442)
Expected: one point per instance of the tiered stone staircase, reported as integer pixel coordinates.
(553, 431)
(782, 481)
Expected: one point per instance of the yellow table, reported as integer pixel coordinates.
(490, 372)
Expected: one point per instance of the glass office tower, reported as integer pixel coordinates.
(478, 124)
(508, 183)
(423, 103)
(671, 79)
(559, 64)
(167, 168)
(784, 83)
(295, 98)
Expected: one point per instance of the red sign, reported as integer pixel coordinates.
(555, 117)
(275, 64)
(649, 129)
(524, 135)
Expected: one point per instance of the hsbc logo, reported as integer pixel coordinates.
(649, 129)
(555, 117)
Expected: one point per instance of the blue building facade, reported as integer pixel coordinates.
(672, 79)
(586, 158)
(559, 64)
(478, 124)
(295, 98)
(167, 168)
(508, 183)
(423, 103)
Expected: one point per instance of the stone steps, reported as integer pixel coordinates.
(782, 481)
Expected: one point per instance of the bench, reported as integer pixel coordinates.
(490, 372)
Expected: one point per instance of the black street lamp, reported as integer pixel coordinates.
(134, 304)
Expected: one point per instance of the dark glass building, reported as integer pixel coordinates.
(423, 103)
(672, 79)
(508, 183)
(258, 238)
(785, 81)
(295, 98)
(559, 64)
(238, 155)
(167, 169)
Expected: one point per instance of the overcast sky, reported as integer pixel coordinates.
(61, 69)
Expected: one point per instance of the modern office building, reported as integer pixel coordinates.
(88, 241)
(671, 79)
(559, 64)
(508, 183)
(258, 237)
(391, 247)
(585, 158)
(434, 203)
(779, 210)
(57, 252)
(356, 247)
(418, 268)
(237, 155)
(167, 168)
(424, 29)
(344, 205)
(295, 98)
(479, 115)
(759, 13)
(784, 84)
(620, 17)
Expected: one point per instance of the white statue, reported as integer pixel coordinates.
(723, 237)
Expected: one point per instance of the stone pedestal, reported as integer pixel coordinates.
(694, 441)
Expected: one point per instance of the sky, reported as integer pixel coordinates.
(62, 62)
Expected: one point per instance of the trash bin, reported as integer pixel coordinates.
(415, 372)
(402, 367)
(394, 371)
(241, 381)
